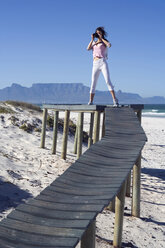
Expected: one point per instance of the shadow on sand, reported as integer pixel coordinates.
(11, 195)
(159, 173)
(110, 242)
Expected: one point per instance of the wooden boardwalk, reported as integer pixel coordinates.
(62, 213)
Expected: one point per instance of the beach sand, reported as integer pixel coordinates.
(26, 169)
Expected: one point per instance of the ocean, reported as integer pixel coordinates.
(154, 110)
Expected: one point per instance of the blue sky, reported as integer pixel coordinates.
(44, 41)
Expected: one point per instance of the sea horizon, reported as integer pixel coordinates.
(154, 110)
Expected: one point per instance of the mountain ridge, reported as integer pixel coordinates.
(70, 93)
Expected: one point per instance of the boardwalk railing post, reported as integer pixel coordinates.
(75, 139)
(103, 125)
(136, 181)
(111, 206)
(128, 186)
(139, 115)
(65, 134)
(96, 126)
(88, 238)
(44, 120)
(55, 129)
(80, 134)
(119, 214)
(90, 141)
(136, 188)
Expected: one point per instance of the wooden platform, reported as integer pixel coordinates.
(59, 216)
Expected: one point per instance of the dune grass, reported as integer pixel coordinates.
(24, 105)
(5, 110)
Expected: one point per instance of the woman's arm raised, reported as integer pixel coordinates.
(107, 43)
(89, 47)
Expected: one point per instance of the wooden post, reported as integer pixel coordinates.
(88, 238)
(96, 126)
(90, 141)
(65, 134)
(55, 129)
(111, 206)
(80, 134)
(136, 188)
(103, 126)
(75, 139)
(139, 115)
(119, 214)
(44, 120)
(128, 186)
(136, 182)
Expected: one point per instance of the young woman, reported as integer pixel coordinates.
(99, 48)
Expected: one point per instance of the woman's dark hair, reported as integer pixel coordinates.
(101, 29)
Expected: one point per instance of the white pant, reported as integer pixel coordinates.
(100, 65)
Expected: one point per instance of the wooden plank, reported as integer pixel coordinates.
(6, 243)
(40, 229)
(82, 193)
(90, 189)
(75, 107)
(54, 222)
(96, 177)
(69, 215)
(66, 207)
(114, 145)
(86, 185)
(107, 162)
(60, 199)
(28, 238)
(103, 150)
(99, 169)
(118, 157)
(95, 183)
(86, 178)
(113, 162)
(108, 196)
(106, 174)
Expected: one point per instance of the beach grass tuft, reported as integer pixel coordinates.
(24, 105)
(72, 127)
(6, 110)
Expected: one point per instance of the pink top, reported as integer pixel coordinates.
(99, 50)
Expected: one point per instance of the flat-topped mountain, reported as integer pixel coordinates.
(69, 93)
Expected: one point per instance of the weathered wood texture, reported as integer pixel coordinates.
(65, 134)
(55, 129)
(44, 128)
(63, 211)
(80, 134)
(90, 139)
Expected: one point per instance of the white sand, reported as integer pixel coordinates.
(26, 169)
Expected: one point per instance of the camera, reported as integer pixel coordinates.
(95, 35)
